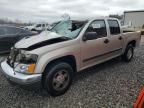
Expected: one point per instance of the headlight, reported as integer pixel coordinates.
(25, 63)
(25, 68)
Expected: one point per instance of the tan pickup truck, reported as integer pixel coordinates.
(53, 57)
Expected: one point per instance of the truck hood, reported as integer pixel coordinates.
(43, 39)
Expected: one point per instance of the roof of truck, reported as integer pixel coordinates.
(89, 19)
(101, 18)
(94, 18)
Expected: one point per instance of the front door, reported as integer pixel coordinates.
(94, 51)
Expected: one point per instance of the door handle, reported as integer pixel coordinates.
(106, 41)
(120, 38)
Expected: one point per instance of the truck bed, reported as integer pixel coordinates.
(129, 36)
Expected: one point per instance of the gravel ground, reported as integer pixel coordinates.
(114, 84)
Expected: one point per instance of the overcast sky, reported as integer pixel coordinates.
(51, 10)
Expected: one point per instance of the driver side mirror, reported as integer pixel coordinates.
(90, 36)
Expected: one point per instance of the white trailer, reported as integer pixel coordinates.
(134, 18)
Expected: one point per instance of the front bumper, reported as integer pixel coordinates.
(19, 78)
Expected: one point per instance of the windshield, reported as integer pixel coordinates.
(68, 28)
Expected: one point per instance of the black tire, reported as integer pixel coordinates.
(51, 75)
(128, 54)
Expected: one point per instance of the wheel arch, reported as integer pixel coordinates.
(70, 59)
(133, 43)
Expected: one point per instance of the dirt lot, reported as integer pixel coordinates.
(114, 84)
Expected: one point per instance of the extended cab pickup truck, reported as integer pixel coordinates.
(53, 57)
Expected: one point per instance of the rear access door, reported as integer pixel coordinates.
(115, 38)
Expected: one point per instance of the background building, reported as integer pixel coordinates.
(134, 18)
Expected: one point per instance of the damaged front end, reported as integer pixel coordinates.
(22, 62)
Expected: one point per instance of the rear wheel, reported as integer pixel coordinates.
(58, 78)
(128, 54)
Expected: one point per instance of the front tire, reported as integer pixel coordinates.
(128, 54)
(58, 78)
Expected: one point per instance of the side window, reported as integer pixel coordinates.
(43, 25)
(114, 27)
(99, 27)
(12, 30)
(38, 25)
(2, 31)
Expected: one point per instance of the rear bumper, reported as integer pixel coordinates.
(19, 78)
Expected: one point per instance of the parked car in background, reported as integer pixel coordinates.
(9, 35)
(29, 27)
(38, 27)
(71, 46)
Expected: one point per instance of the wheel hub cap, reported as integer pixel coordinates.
(60, 80)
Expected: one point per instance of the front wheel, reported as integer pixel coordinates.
(128, 54)
(58, 78)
